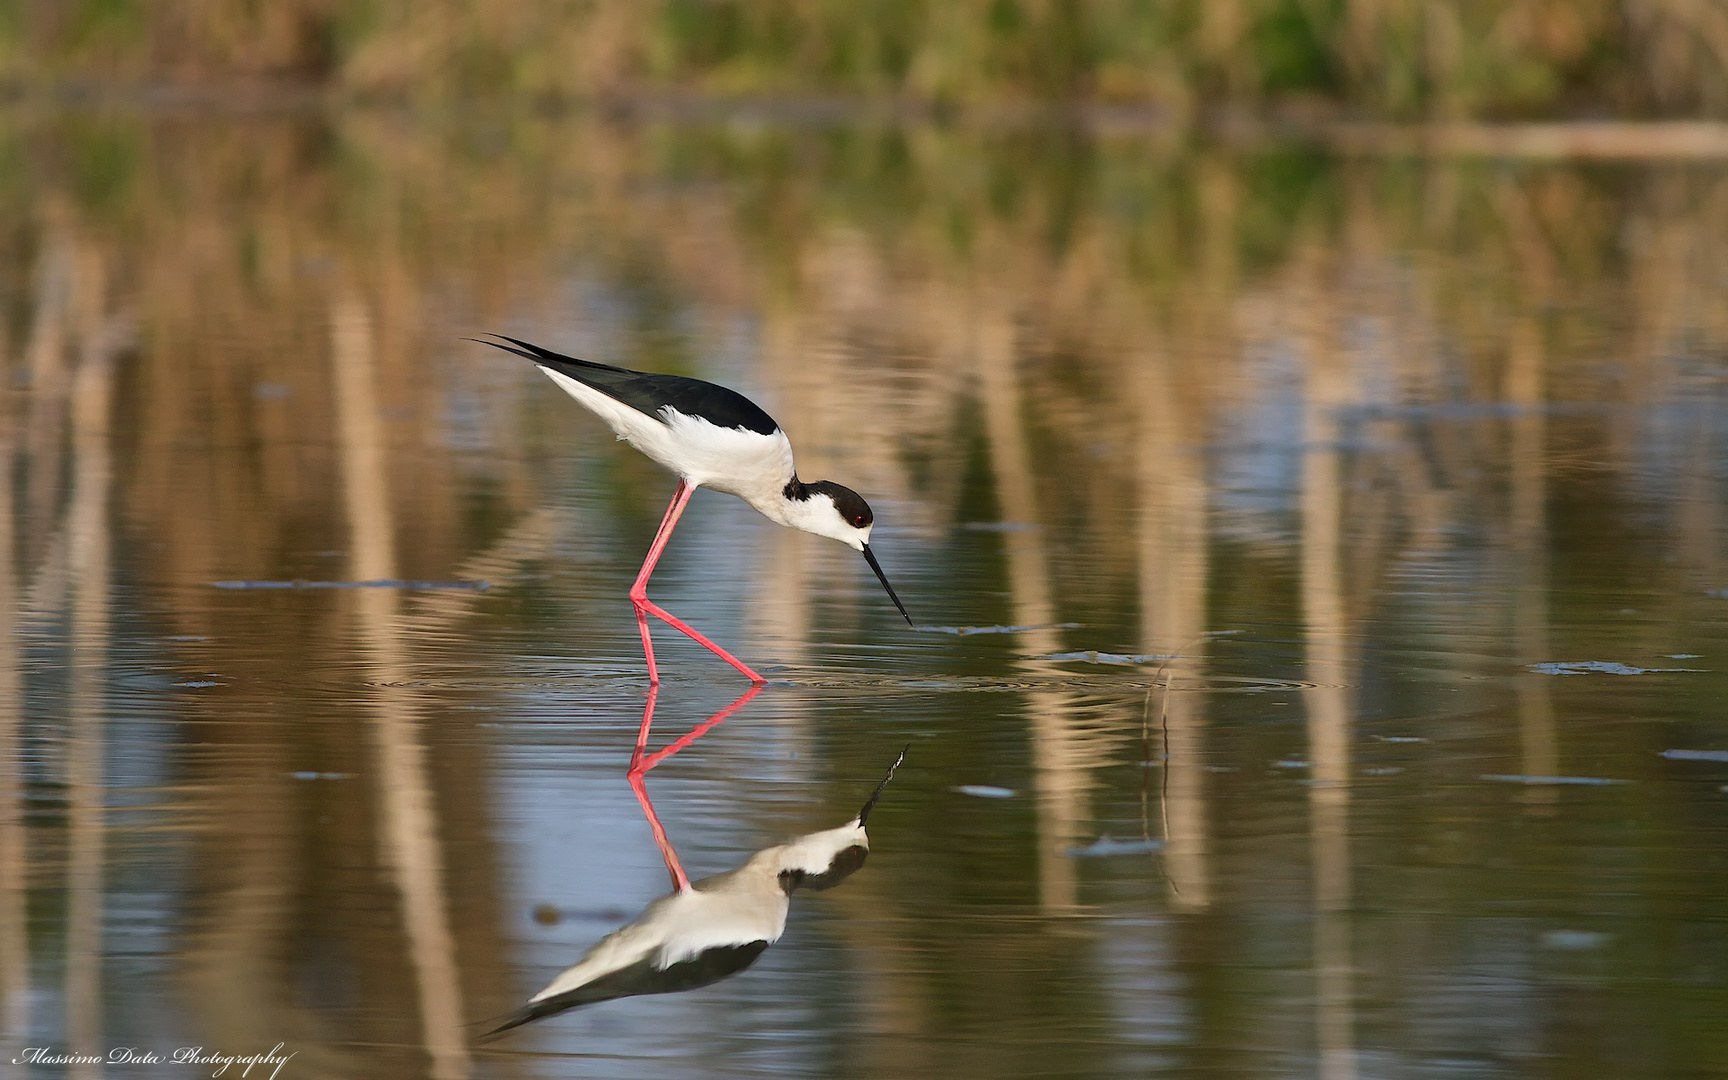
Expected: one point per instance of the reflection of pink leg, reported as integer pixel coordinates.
(639, 770)
(641, 761)
(645, 607)
(651, 760)
(642, 733)
(680, 881)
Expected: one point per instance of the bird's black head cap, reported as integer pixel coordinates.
(849, 503)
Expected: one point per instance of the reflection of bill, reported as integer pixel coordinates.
(716, 927)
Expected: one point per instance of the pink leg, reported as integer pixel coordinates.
(645, 607)
(685, 628)
(647, 647)
(680, 495)
(641, 761)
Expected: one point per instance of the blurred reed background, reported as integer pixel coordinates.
(876, 258)
(1393, 58)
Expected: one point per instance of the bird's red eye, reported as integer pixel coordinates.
(858, 520)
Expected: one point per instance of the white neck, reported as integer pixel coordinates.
(814, 514)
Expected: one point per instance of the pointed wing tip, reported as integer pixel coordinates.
(525, 349)
(522, 352)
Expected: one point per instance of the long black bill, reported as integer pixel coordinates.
(870, 557)
(864, 814)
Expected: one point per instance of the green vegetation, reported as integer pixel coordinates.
(1391, 58)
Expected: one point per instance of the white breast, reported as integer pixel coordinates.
(738, 461)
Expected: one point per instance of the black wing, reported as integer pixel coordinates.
(642, 977)
(649, 393)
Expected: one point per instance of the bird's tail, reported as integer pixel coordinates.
(864, 814)
(542, 355)
(516, 1018)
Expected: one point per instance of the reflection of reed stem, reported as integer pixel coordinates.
(1538, 740)
(1060, 778)
(14, 938)
(409, 830)
(87, 528)
(14, 837)
(45, 361)
(1173, 579)
(1329, 712)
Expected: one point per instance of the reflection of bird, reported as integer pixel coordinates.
(715, 928)
(709, 436)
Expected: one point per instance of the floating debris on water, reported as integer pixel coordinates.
(1292, 764)
(1604, 667)
(986, 791)
(1696, 755)
(1516, 778)
(198, 683)
(320, 775)
(1401, 738)
(1384, 770)
(1683, 656)
(1105, 846)
(965, 631)
(1093, 656)
(381, 583)
(1574, 940)
(1001, 526)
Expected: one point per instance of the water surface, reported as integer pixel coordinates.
(1319, 564)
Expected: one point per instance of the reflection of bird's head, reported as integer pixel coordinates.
(824, 859)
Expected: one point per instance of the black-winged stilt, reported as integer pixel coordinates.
(708, 436)
(705, 931)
